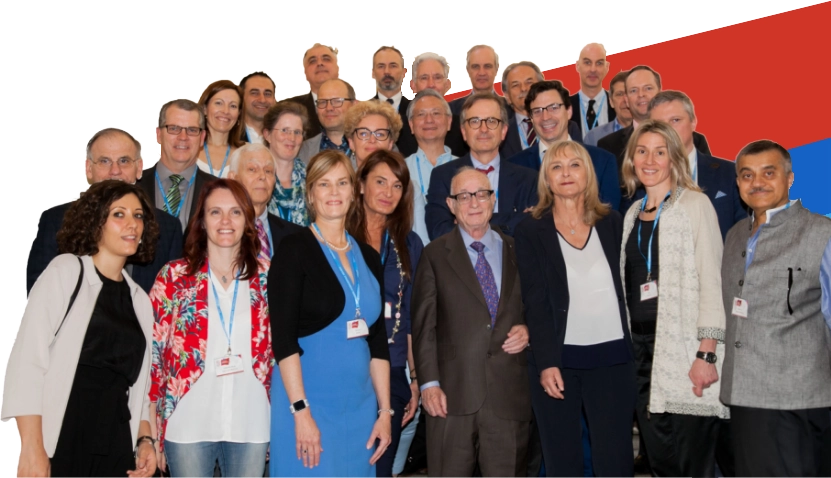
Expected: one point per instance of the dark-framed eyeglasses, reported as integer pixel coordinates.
(288, 132)
(476, 122)
(176, 129)
(336, 102)
(365, 133)
(553, 108)
(107, 163)
(482, 195)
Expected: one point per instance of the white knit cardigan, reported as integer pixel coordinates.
(690, 306)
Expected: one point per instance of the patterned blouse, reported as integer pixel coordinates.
(290, 203)
(180, 335)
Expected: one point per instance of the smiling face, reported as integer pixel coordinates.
(257, 176)
(179, 151)
(483, 141)
(430, 119)
(222, 111)
(519, 82)
(382, 190)
(114, 148)
(320, 64)
(258, 97)
(473, 215)
(364, 148)
(549, 126)
(388, 71)
(332, 118)
(674, 113)
(641, 87)
(122, 232)
(224, 219)
(566, 175)
(763, 181)
(652, 162)
(286, 138)
(481, 68)
(331, 195)
(430, 74)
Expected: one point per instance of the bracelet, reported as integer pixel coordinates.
(387, 410)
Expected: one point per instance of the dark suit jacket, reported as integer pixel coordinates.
(615, 143)
(605, 168)
(452, 338)
(299, 277)
(148, 184)
(512, 144)
(45, 247)
(313, 128)
(577, 113)
(406, 141)
(280, 228)
(517, 191)
(456, 106)
(544, 280)
(717, 178)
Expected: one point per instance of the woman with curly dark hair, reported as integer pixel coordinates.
(212, 359)
(78, 375)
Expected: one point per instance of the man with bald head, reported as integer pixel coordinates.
(469, 337)
(111, 154)
(592, 105)
(334, 99)
(253, 166)
(320, 62)
(482, 67)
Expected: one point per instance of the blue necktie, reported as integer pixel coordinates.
(485, 275)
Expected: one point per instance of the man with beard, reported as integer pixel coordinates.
(321, 64)
(388, 72)
(257, 97)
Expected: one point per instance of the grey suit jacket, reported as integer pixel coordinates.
(309, 148)
(453, 341)
(779, 357)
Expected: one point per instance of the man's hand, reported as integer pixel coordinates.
(517, 339)
(434, 401)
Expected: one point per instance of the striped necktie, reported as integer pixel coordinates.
(530, 134)
(174, 197)
(265, 246)
(486, 280)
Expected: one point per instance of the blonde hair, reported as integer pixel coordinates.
(593, 208)
(319, 165)
(372, 107)
(678, 163)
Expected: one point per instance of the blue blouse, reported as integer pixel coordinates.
(392, 283)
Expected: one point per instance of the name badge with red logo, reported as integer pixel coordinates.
(356, 328)
(228, 364)
(649, 290)
(740, 307)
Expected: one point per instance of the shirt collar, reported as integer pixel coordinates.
(520, 117)
(314, 97)
(544, 148)
(253, 135)
(494, 163)
(443, 158)
(487, 239)
(772, 212)
(264, 217)
(584, 98)
(165, 173)
(693, 160)
(396, 99)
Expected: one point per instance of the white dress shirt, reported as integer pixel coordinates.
(693, 160)
(253, 135)
(396, 99)
(601, 108)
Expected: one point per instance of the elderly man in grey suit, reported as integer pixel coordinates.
(776, 285)
(334, 98)
(469, 340)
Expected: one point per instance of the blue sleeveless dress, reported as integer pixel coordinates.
(338, 386)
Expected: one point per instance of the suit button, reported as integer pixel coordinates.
(744, 253)
(738, 344)
(489, 355)
(741, 283)
(489, 326)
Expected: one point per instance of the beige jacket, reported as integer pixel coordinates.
(690, 306)
(42, 366)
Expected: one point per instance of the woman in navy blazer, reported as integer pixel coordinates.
(581, 359)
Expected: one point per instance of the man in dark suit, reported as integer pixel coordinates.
(388, 72)
(716, 177)
(482, 66)
(592, 105)
(549, 106)
(469, 337)
(517, 79)
(111, 154)
(483, 126)
(257, 97)
(174, 183)
(254, 167)
(320, 63)
(430, 72)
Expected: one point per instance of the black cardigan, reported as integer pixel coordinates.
(304, 295)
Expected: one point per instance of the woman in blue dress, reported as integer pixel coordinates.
(331, 413)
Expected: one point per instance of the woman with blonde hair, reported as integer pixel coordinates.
(370, 126)
(581, 357)
(671, 261)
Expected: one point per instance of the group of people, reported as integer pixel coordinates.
(300, 282)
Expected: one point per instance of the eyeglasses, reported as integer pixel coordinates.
(289, 132)
(435, 114)
(482, 195)
(176, 129)
(476, 122)
(380, 134)
(336, 102)
(553, 108)
(107, 163)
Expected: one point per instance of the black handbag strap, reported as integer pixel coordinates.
(74, 295)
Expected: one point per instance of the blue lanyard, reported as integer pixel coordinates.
(208, 157)
(648, 258)
(184, 196)
(384, 244)
(596, 117)
(356, 290)
(230, 331)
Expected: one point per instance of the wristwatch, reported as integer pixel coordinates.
(299, 405)
(708, 357)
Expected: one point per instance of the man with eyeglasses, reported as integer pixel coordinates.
(469, 334)
(550, 108)
(111, 154)
(484, 119)
(175, 181)
(334, 99)
(320, 63)
(257, 96)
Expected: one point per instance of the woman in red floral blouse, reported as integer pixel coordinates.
(212, 356)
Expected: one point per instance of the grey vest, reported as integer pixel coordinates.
(776, 359)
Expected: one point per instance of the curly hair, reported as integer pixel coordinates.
(83, 223)
(363, 109)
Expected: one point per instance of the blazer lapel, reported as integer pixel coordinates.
(148, 184)
(459, 261)
(548, 236)
(509, 272)
(707, 175)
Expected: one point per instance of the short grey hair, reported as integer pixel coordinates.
(430, 56)
(112, 132)
(511, 67)
(477, 47)
(486, 96)
(463, 170)
(245, 151)
(423, 94)
(668, 96)
(186, 105)
(332, 49)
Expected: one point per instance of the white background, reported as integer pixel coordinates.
(73, 68)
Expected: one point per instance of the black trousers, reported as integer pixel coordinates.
(779, 442)
(607, 396)
(400, 395)
(677, 445)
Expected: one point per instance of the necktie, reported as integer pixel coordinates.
(265, 246)
(530, 134)
(485, 170)
(174, 197)
(485, 275)
(591, 116)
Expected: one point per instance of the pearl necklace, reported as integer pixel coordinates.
(331, 246)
